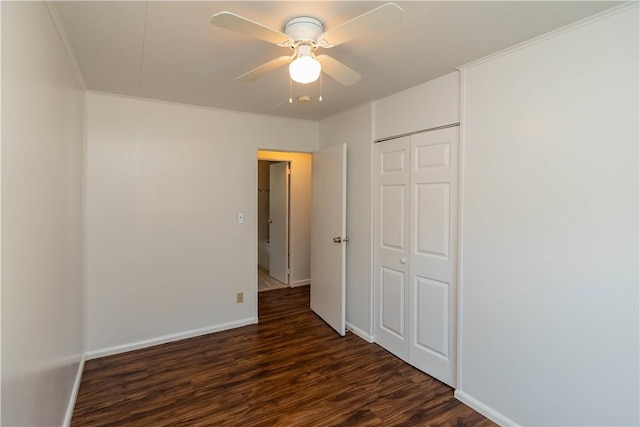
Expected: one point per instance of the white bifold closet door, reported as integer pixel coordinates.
(415, 253)
(391, 250)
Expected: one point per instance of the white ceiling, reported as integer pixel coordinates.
(168, 50)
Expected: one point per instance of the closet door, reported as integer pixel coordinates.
(434, 224)
(391, 246)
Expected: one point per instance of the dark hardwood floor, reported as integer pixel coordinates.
(289, 370)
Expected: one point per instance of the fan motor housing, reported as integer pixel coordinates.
(304, 29)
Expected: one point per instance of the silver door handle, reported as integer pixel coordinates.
(269, 221)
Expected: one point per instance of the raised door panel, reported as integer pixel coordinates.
(431, 229)
(393, 162)
(392, 221)
(432, 219)
(392, 308)
(433, 156)
(432, 324)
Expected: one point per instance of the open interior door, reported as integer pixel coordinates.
(279, 221)
(328, 235)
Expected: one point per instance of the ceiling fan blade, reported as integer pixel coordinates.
(243, 25)
(338, 70)
(264, 69)
(387, 15)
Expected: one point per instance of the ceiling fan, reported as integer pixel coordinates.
(304, 35)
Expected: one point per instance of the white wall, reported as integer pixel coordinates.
(165, 256)
(354, 128)
(299, 213)
(42, 219)
(425, 106)
(549, 332)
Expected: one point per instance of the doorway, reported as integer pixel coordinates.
(283, 219)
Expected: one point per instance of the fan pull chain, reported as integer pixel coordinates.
(290, 91)
(320, 97)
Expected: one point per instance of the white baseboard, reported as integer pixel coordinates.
(297, 283)
(74, 393)
(94, 354)
(359, 332)
(480, 407)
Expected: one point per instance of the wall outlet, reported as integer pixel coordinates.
(240, 297)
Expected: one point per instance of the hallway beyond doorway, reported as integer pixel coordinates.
(266, 282)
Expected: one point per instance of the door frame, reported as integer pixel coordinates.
(288, 162)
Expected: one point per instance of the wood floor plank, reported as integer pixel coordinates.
(291, 369)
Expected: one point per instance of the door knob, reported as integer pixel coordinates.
(337, 240)
(403, 261)
(269, 221)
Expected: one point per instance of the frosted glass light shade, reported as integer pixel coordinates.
(304, 69)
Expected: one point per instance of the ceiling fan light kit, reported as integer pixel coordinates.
(305, 34)
(305, 68)
(304, 31)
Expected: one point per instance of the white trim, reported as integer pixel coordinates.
(483, 409)
(461, 151)
(269, 150)
(359, 332)
(55, 17)
(207, 108)
(0, 205)
(552, 34)
(74, 393)
(169, 338)
(372, 162)
(85, 162)
(303, 282)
